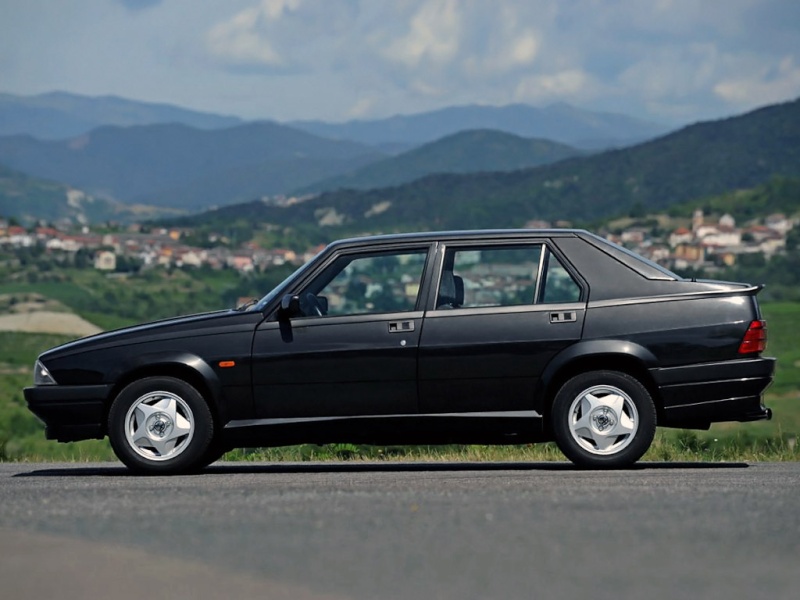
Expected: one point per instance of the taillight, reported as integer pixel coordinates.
(755, 339)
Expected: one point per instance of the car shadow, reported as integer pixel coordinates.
(234, 468)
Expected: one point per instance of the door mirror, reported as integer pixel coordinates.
(290, 306)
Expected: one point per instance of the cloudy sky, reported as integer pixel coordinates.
(672, 61)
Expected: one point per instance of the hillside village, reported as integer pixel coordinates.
(707, 244)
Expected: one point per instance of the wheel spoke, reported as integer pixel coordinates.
(625, 425)
(615, 402)
(604, 441)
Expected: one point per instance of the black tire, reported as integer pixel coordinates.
(215, 451)
(160, 426)
(603, 420)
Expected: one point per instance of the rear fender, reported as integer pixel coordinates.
(619, 355)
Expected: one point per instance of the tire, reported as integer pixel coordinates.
(213, 453)
(603, 420)
(160, 425)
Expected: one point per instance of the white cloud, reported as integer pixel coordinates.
(244, 38)
(573, 84)
(434, 35)
(764, 86)
(335, 59)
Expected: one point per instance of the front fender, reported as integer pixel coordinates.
(165, 362)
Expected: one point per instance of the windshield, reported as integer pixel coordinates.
(278, 289)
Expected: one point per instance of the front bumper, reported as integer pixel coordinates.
(70, 413)
(695, 396)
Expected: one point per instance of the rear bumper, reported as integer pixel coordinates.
(70, 413)
(698, 395)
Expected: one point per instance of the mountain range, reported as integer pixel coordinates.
(558, 122)
(177, 166)
(471, 151)
(59, 115)
(472, 178)
(697, 162)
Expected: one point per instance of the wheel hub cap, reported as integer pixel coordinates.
(160, 425)
(603, 419)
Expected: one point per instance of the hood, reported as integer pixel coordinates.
(175, 327)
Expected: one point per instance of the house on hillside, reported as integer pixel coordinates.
(105, 260)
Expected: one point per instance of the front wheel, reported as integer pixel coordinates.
(160, 425)
(603, 419)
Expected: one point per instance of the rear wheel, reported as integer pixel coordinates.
(603, 419)
(160, 425)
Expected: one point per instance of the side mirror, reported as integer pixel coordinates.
(290, 306)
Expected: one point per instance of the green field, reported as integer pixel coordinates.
(22, 436)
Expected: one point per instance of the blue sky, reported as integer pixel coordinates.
(672, 61)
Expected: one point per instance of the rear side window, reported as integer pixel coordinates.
(479, 277)
(558, 285)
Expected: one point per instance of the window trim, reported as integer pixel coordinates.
(356, 253)
(548, 248)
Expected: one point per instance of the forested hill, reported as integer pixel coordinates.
(471, 151)
(699, 161)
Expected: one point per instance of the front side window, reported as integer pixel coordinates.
(359, 284)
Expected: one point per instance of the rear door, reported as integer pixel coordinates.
(502, 311)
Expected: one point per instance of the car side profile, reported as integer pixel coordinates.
(509, 336)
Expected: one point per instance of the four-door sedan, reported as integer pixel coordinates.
(482, 337)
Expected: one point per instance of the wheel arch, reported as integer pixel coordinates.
(596, 355)
(185, 366)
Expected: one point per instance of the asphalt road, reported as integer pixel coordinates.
(422, 531)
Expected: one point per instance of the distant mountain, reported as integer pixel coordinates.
(59, 115)
(29, 199)
(177, 166)
(464, 152)
(559, 122)
(697, 162)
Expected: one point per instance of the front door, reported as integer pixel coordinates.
(353, 348)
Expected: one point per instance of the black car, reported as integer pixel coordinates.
(484, 337)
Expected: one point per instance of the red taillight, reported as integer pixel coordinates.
(755, 339)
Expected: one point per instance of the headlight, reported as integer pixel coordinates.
(41, 376)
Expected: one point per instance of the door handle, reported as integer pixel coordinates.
(563, 317)
(401, 326)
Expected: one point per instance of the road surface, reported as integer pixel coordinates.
(397, 531)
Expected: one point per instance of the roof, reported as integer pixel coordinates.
(475, 234)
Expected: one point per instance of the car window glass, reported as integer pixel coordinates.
(366, 284)
(477, 277)
(559, 286)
